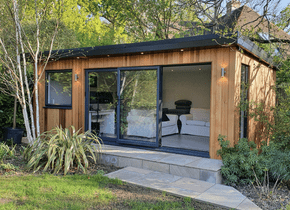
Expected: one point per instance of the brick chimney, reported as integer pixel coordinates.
(232, 5)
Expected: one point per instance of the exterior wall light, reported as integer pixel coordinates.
(76, 77)
(223, 72)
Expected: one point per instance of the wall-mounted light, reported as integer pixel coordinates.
(76, 77)
(182, 50)
(142, 53)
(223, 72)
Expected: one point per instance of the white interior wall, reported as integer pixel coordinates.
(187, 82)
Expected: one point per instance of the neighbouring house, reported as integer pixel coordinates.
(249, 23)
(173, 95)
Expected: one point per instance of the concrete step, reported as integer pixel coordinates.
(216, 194)
(204, 169)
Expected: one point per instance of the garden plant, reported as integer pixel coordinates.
(62, 149)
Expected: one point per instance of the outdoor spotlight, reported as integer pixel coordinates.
(223, 72)
(76, 77)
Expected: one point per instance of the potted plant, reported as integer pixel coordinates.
(13, 132)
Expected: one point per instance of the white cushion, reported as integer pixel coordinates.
(200, 114)
(168, 123)
(195, 122)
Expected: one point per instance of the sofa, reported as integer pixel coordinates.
(196, 123)
(142, 123)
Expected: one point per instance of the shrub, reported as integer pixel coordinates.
(245, 163)
(5, 152)
(59, 149)
(239, 161)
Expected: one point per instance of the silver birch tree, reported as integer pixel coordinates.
(16, 48)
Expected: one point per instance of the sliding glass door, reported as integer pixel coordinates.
(124, 104)
(139, 110)
(102, 103)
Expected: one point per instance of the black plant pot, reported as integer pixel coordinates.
(15, 134)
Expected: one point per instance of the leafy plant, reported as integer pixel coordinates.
(8, 167)
(5, 152)
(245, 163)
(239, 161)
(59, 149)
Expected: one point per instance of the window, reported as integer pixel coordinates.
(244, 101)
(58, 88)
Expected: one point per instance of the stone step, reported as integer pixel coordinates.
(216, 194)
(199, 168)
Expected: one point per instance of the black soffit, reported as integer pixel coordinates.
(209, 40)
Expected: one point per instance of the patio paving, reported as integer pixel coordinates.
(204, 169)
(216, 194)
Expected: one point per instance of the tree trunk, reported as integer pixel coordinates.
(14, 113)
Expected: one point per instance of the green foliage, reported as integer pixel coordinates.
(8, 167)
(283, 20)
(283, 75)
(6, 152)
(280, 130)
(60, 149)
(6, 113)
(239, 161)
(141, 20)
(244, 161)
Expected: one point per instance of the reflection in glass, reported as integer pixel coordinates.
(103, 103)
(59, 88)
(138, 90)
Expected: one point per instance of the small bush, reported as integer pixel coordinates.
(58, 149)
(239, 161)
(8, 167)
(6, 152)
(245, 163)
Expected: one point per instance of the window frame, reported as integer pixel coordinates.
(51, 106)
(244, 125)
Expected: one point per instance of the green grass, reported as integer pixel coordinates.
(55, 192)
(72, 192)
(162, 205)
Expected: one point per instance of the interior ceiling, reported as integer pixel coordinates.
(187, 68)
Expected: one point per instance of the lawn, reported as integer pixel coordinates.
(82, 192)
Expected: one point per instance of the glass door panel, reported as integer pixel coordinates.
(103, 100)
(138, 106)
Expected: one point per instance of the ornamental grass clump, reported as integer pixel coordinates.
(59, 149)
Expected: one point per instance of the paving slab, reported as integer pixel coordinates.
(193, 185)
(222, 195)
(181, 165)
(180, 160)
(184, 171)
(155, 166)
(247, 204)
(216, 194)
(206, 164)
(138, 170)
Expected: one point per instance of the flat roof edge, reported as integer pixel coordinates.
(169, 44)
(247, 44)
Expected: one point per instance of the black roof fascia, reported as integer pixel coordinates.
(209, 40)
(168, 44)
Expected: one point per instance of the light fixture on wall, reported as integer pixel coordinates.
(76, 77)
(223, 72)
